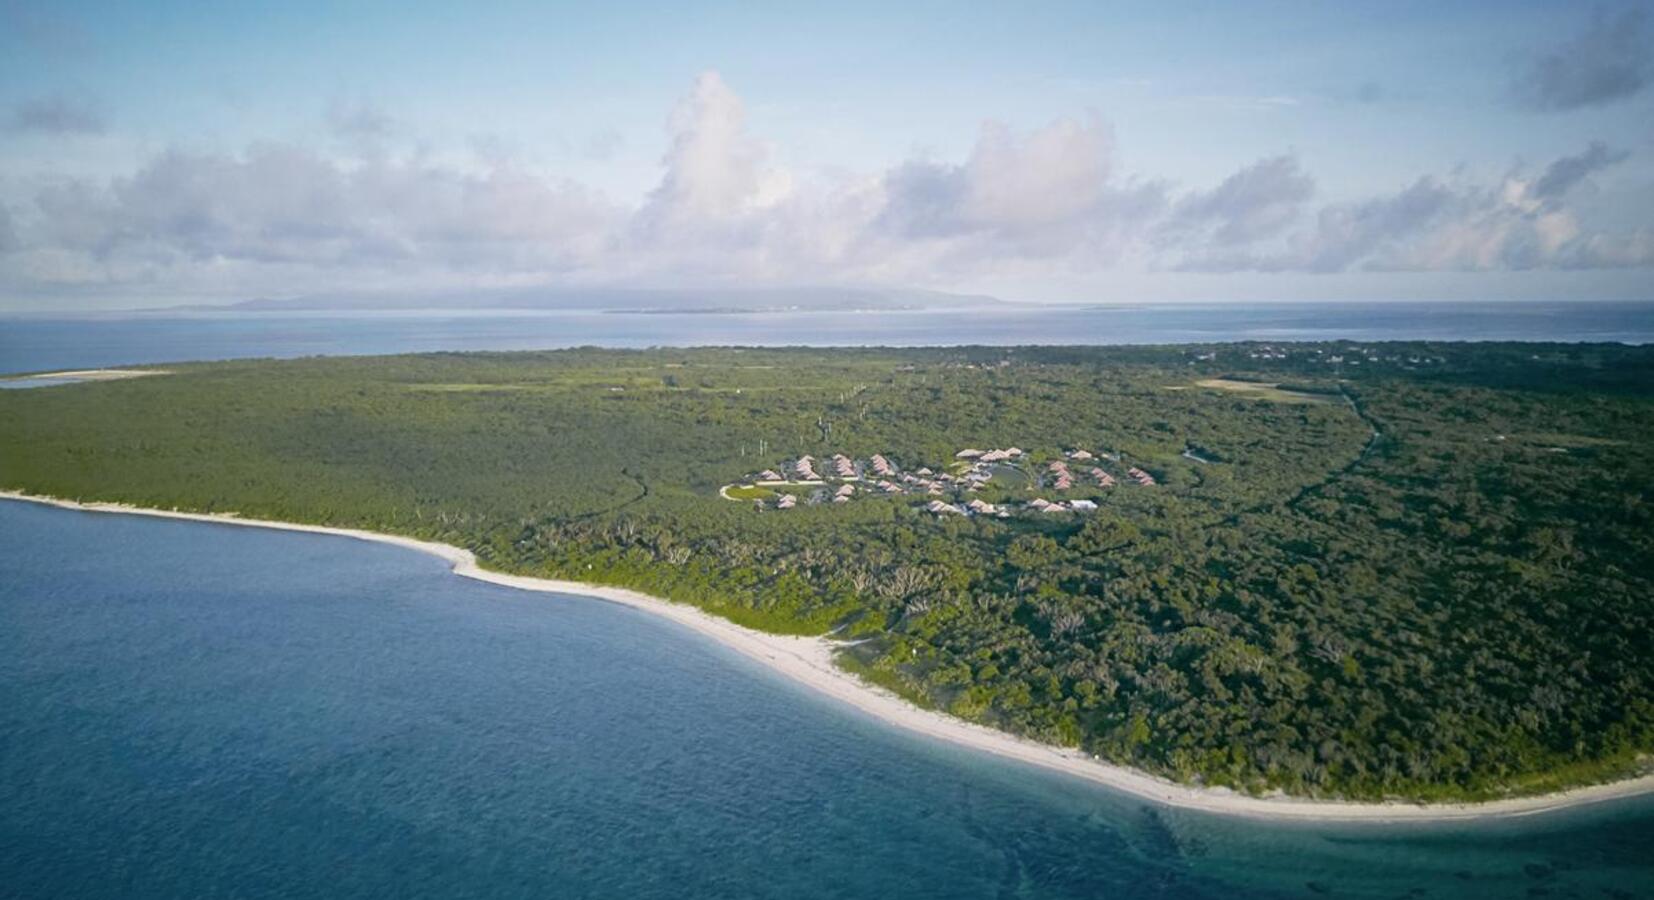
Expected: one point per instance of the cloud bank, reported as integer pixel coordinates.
(1520, 222)
(1609, 62)
(280, 218)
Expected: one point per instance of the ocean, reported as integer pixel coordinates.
(40, 343)
(199, 710)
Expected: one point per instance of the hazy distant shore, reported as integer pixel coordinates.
(810, 661)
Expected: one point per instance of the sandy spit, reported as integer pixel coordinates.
(810, 661)
(94, 374)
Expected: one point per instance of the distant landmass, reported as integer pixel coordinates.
(633, 300)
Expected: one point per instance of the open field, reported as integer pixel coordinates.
(1259, 390)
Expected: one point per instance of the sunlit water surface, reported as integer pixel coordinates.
(38, 343)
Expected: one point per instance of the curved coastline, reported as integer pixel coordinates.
(809, 660)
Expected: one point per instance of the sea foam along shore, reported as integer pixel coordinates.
(810, 661)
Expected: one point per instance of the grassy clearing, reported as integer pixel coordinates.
(1257, 390)
(475, 388)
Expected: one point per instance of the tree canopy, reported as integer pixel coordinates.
(1378, 570)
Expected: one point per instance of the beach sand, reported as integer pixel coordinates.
(810, 661)
(93, 374)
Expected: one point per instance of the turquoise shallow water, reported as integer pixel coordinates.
(191, 710)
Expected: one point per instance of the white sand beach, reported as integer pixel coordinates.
(810, 661)
(98, 374)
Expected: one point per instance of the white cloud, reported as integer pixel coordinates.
(1610, 61)
(1566, 173)
(1049, 203)
(1053, 178)
(186, 218)
(1432, 225)
(1257, 202)
(715, 172)
(1048, 199)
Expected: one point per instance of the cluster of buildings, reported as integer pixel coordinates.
(1354, 355)
(976, 507)
(980, 507)
(803, 470)
(949, 490)
(1040, 504)
(989, 457)
(1061, 478)
(877, 475)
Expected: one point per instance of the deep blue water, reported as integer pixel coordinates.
(193, 710)
(34, 344)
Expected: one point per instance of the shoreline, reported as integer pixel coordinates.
(77, 375)
(809, 661)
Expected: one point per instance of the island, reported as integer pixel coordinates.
(1418, 572)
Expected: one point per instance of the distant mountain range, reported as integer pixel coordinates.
(632, 300)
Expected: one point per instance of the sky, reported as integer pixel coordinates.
(171, 153)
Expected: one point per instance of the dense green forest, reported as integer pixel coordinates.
(1381, 570)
